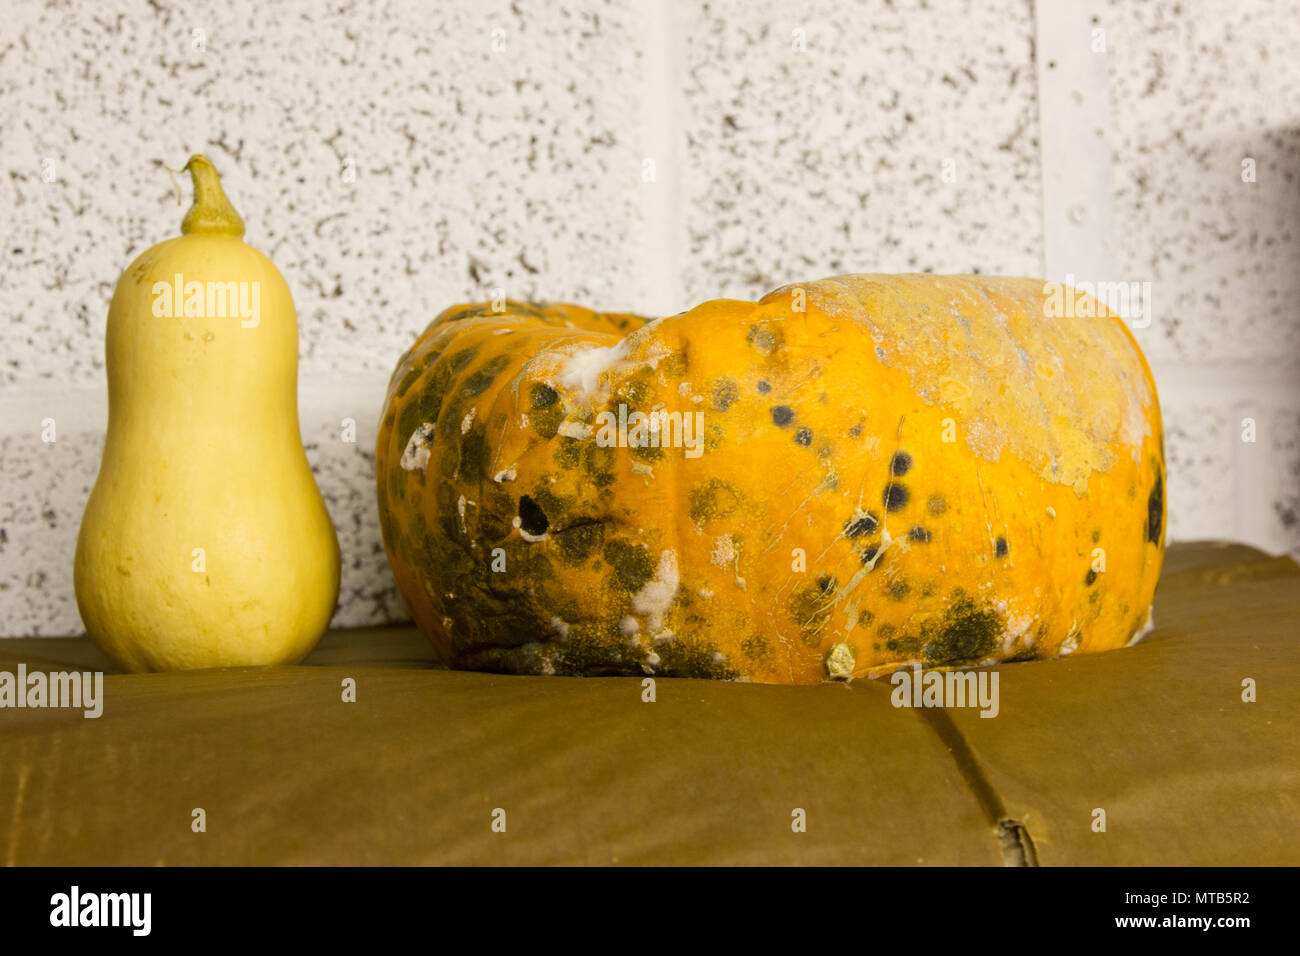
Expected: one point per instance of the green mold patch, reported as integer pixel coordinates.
(596, 462)
(639, 390)
(725, 394)
(647, 453)
(397, 486)
(555, 506)
(579, 540)
(587, 648)
(410, 378)
(675, 365)
(692, 657)
(408, 422)
(460, 361)
(714, 437)
(810, 609)
(568, 453)
(546, 419)
(481, 380)
(712, 499)
(475, 454)
(630, 565)
(387, 526)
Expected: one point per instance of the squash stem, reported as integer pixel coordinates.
(211, 213)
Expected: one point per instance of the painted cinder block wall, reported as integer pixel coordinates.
(395, 158)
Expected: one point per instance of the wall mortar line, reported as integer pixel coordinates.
(662, 137)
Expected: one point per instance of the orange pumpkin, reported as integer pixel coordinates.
(840, 479)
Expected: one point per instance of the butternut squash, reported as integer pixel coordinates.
(205, 542)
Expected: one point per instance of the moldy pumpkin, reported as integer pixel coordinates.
(895, 469)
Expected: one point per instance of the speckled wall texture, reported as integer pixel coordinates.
(504, 145)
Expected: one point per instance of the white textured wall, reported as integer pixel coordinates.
(500, 144)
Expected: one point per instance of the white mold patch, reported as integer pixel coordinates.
(582, 372)
(517, 523)
(653, 601)
(573, 429)
(415, 457)
(724, 551)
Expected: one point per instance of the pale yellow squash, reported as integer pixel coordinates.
(205, 542)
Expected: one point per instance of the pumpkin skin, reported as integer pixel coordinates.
(894, 470)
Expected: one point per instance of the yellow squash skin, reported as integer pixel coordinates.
(895, 469)
(203, 452)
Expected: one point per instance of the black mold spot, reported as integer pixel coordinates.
(919, 534)
(1000, 547)
(543, 396)
(900, 464)
(532, 519)
(827, 584)
(782, 415)
(754, 647)
(1091, 577)
(1096, 535)
(855, 431)
(857, 527)
(1156, 510)
(803, 436)
(764, 387)
(869, 555)
(969, 634)
(896, 497)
